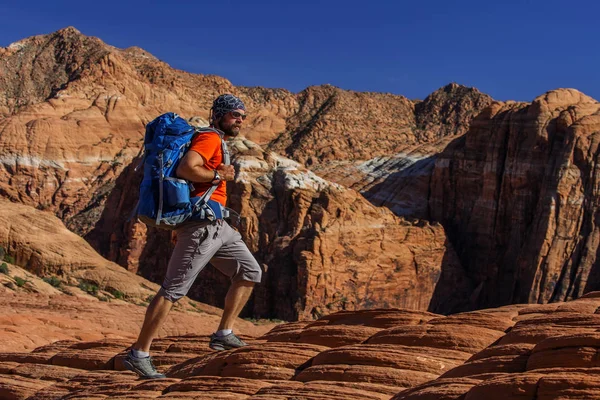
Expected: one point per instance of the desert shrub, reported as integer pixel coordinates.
(20, 281)
(53, 280)
(117, 293)
(4, 268)
(89, 288)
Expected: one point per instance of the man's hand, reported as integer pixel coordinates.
(226, 172)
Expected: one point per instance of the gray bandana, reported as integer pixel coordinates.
(226, 103)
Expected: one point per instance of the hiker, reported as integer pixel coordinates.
(199, 242)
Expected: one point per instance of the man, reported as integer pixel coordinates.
(203, 241)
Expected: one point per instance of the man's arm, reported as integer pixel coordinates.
(192, 168)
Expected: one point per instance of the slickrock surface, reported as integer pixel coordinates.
(82, 296)
(284, 362)
(408, 355)
(550, 353)
(29, 320)
(40, 243)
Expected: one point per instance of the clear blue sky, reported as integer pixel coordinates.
(508, 49)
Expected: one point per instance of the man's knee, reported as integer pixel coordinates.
(251, 273)
(169, 294)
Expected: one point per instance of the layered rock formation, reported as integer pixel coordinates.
(518, 197)
(380, 145)
(70, 139)
(83, 296)
(76, 117)
(29, 320)
(548, 354)
(323, 247)
(515, 192)
(40, 243)
(533, 352)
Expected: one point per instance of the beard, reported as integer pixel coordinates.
(231, 130)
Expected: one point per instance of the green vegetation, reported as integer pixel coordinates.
(4, 256)
(89, 288)
(196, 308)
(4, 268)
(20, 281)
(53, 280)
(117, 293)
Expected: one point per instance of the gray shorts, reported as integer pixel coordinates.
(197, 244)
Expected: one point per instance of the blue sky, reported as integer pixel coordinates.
(511, 50)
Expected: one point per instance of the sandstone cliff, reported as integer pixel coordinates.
(518, 197)
(74, 111)
(323, 247)
(70, 142)
(513, 188)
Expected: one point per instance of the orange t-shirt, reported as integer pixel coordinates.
(208, 145)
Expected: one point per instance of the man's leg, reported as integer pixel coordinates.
(236, 261)
(156, 314)
(138, 359)
(192, 252)
(235, 300)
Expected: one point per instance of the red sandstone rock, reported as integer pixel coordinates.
(440, 389)
(549, 355)
(426, 367)
(29, 320)
(73, 127)
(211, 386)
(266, 361)
(18, 387)
(513, 194)
(378, 318)
(323, 391)
(454, 337)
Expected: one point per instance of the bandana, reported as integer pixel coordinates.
(226, 103)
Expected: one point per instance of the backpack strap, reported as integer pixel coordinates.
(226, 160)
(224, 150)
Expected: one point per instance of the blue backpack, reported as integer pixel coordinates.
(165, 200)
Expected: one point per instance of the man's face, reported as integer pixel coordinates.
(231, 123)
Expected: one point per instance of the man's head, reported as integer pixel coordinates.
(227, 113)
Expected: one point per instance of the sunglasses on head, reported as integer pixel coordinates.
(237, 115)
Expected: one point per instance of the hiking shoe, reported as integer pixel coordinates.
(142, 366)
(226, 342)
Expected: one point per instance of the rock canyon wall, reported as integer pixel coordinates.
(348, 200)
